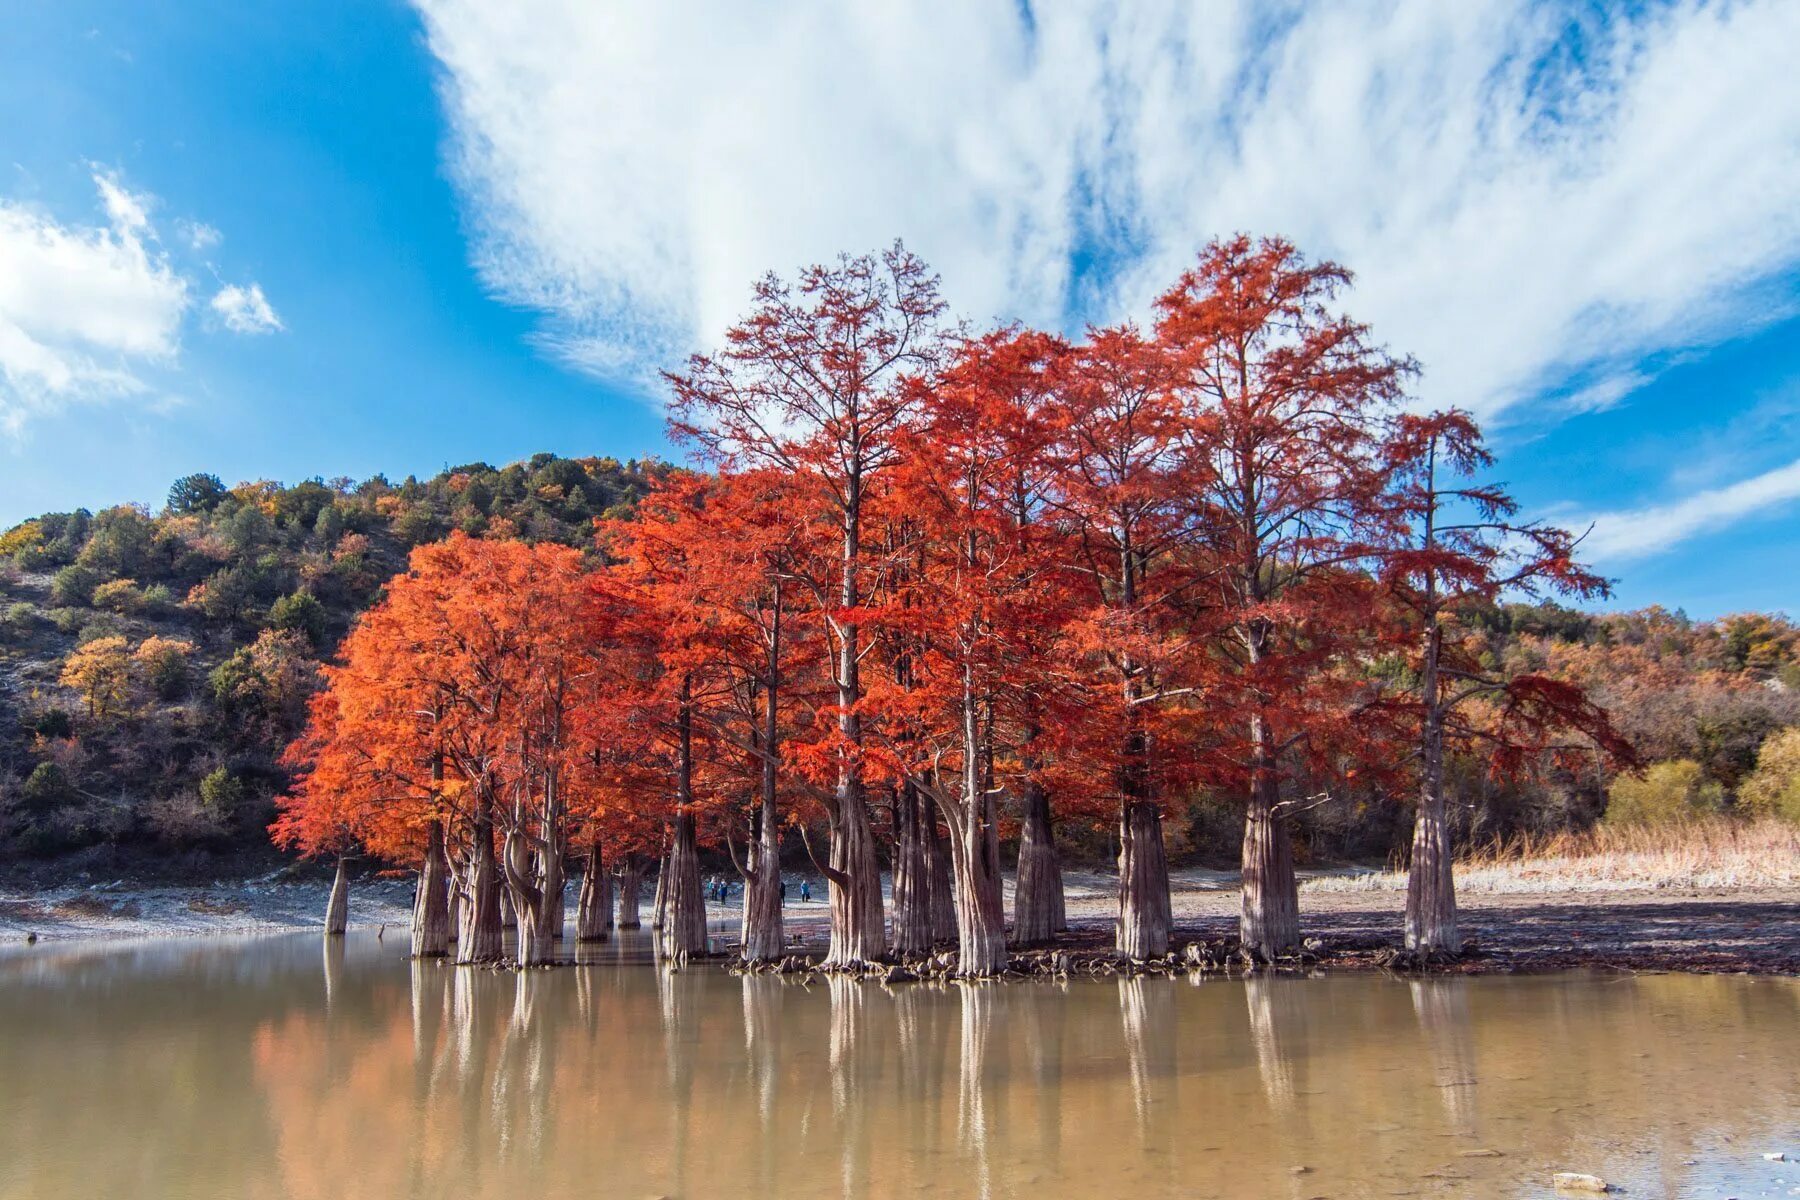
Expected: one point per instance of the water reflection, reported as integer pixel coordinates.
(256, 1069)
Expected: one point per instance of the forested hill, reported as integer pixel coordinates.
(153, 664)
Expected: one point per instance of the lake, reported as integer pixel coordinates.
(287, 1066)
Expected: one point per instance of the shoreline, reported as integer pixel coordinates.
(1713, 931)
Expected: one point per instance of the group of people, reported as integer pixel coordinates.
(719, 887)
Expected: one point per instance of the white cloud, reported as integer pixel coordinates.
(1533, 199)
(89, 312)
(199, 236)
(1639, 533)
(245, 310)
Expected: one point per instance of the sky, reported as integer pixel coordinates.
(343, 237)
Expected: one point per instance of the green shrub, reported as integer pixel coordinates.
(221, 794)
(302, 613)
(69, 620)
(73, 586)
(1667, 793)
(18, 618)
(53, 723)
(47, 789)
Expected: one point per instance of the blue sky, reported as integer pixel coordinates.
(340, 238)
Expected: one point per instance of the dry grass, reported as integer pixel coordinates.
(1701, 854)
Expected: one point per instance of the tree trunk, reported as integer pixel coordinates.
(853, 883)
(1430, 879)
(943, 901)
(509, 913)
(593, 904)
(431, 907)
(1270, 921)
(478, 938)
(631, 893)
(1144, 911)
(764, 933)
(684, 920)
(659, 895)
(975, 859)
(912, 872)
(535, 944)
(556, 915)
(1038, 908)
(337, 908)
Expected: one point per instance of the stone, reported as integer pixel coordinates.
(1574, 1181)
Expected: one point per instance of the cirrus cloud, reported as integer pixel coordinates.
(1536, 198)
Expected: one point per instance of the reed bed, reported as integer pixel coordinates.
(1714, 854)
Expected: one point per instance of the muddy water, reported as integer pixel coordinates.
(277, 1067)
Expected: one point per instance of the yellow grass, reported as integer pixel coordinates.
(1717, 853)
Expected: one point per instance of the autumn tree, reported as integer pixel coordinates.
(1119, 490)
(814, 383)
(1282, 402)
(1461, 545)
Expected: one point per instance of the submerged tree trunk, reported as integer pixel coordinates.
(431, 907)
(631, 893)
(975, 858)
(659, 896)
(337, 907)
(478, 937)
(593, 904)
(853, 882)
(764, 934)
(943, 902)
(1038, 907)
(912, 872)
(1431, 926)
(555, 895)
(684, 920)
(1144, 910)
(1270, 921)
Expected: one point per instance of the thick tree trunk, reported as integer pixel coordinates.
(478, 938)
(1038, 906)
(858, 924)
(943, 900)
(531, 902)
(337, 907)
(912, 873)
(431, 907)
(555, 895)
(764, 934)
(1269, 924)
(631, 893)
(593, 904)
(509, 914)
(684, 920)
(975, 859)
(1144, 910)
(1430, 879)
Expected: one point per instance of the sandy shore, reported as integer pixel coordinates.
(1665, 929)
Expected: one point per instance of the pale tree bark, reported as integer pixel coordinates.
(1144, 909)
(1431, 926)
(764, 935)
(431, 906)
(853, 877)
(478, 937)
(593, 904)
(975, 856)
(1038, 905)
(337, 905)
(683, 932)
(912, 872)
(631, 893)
(1269, 922)
(683, 928)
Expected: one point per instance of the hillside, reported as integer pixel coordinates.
(153, 665)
